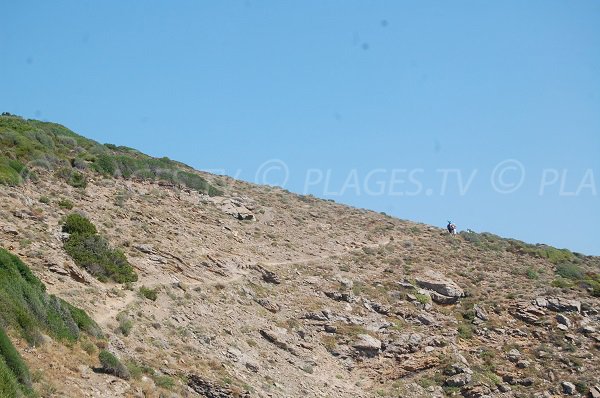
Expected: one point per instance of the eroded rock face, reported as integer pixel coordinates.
(447, 290)
(210, 390)
(367, 345)
(558, 304)
(236, 207)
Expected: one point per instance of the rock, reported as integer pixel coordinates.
(270, 277)
(235, 207)
(330, 329)
(269, 305)
(523, 364)
(438, 283)
(513, 355)
(158, 259)
(315, 316)
(441, 299)
(595, 391)
(479, 391)
(562, 327)
(563, 305)
(367, 344)
(568, 387)
(563, 320)
(458, 380)
(541, 302)
(457, 368)
(278, 338)
(376, 307)
(9, 229)
(145, 248)
(337, 296)
(502, 387)
(526, 382)
(425, 318)
(587, 329)
(210, 390)
(252, 365)
(406, 284)
(480, 313)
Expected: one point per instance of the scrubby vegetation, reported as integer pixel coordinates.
(92, 251)
(568, 265)
(111, 364)
(150, 294)
(53, 147)
(29, 311)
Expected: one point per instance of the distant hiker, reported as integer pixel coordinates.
(451, 228)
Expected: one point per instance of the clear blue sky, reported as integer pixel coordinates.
(347, 86)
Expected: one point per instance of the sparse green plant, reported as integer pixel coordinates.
(65, 204)
(92, 252)
(44, 199)
(569, 271)
(164, 381)
(423, 298)
(125, 324)
(150, 294)
(111, 364)
(465, 331)
(88, 347)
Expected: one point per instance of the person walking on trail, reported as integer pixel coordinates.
(451, 228)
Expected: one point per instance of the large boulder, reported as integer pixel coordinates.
(367, 345)
(558, 304)
(447, 291)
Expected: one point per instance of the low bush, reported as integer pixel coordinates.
(92, 252)
(13, 360)
(111, 365)
(465, 331)
(150, 294)
(29, 311)
(78, 224)
(569, 271)
(65, 204)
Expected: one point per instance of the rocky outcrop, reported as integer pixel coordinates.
(210, 390)
(558, 304)
(236, 207)
(367, 345)
(445, 291)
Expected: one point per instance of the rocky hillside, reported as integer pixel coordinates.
(203, 286)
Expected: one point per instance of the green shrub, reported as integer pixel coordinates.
(78, 224)
(111, 364)
(562, 283)
(13, 360)
(569, 271)
(88, 347)
(423, 298)
(8, 174)
(125, 324)
(29, 310)
(92, 252)
(150, 294)
(465, 331)
(44, 200)
(65, 204)
(9, 386)
(51, 146)
(531, 273)
(164, 381)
